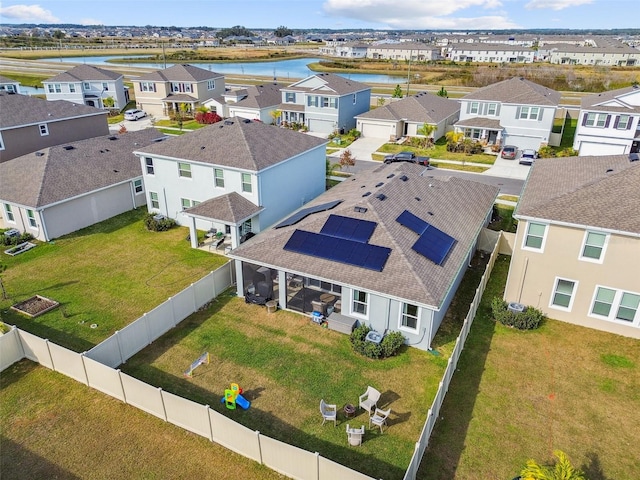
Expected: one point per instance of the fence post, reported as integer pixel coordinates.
(164, 409)
(84, 369)
(124, 393)
(19, 341)
(117, 334)
(259, 446)
(213, 280)
(53, 365)
(317, 465)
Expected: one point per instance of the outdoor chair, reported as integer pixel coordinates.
(369, 399)
(379, 418)
(354, 435)
(329, 412)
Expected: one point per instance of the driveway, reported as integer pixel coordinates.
(363, 147)
(132, 126)
(508, 169)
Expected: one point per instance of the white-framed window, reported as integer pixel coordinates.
(613, 304)
(474, 108)
(153, 200)
(185, 202)
(1, 142)
(105, 86)
(529, 113)
(593, 246)
(181, 87)
(147, 86)
(597, 120)
(492, 108)
(72, 88)
(32, 219)
(409, 319)
(54, 88)
(360, 303)
(290, 97)
(148, 162)
(218, 176)
(9, 213)
(137, 186)
(246, 183)
(184, 170)
(355, 100)
(44, 129)
(211, 84)
(623, 122)
(563, 294)
(535, 237)
(86, 86)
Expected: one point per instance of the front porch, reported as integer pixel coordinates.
(485, 130)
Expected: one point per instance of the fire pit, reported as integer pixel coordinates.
(35, 306)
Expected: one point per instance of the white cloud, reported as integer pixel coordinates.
(28, 13)
(555, 4)
(90, 21)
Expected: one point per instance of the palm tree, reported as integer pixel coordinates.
(275, 115)
(562, 470)
(427, 130)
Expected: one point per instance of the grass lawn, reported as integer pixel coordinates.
(186, 125)
(439, 151)
(286, 364)
(55, 427)
(108, 274)
(520, 395)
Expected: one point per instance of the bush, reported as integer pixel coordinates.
(388, 347)
(161, 225)
(529, 319)
(207, 118)
(13, 241)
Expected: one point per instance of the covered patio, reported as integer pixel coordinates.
(481, 129)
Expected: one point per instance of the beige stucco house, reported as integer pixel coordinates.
(577, 249)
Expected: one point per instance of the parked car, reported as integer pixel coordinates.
(407, 157)
(134, 114)
(509, 152)
(528, 156)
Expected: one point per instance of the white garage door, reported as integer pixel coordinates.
(376, 130)
(590, 148)
(321, 126)
(522, 142)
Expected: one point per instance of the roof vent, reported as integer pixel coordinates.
(39, 154)
(68, 147)
(379, 184)
(634, 157)
(366, 194)
(228, 122)
(417, 198)
(112, 137)
(381, 196)
(202, 147)
(247, 120)
(404, 178)
(116, 171)
(360, 209)
(391, 175)
(609, 170)
(430, 213)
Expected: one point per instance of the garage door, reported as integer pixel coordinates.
(522, 142)
(590, 148)
(321, 126)
(376, 130)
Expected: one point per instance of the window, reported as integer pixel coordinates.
(290, 97)
(360, 302)
(246, 183)
(615, 304)
(594, 245)
(623, 122)
(149, 164)
(534, 239)
(105, 86)
(597, 120)
(9, 213)
(180, 87)
(137, 186)
(186, 203)
(603, 302)
(32, 219)
(628, 307)
(147, 87)
(563, 294)
(184, 170)
(72, 87)
(211, 84)
(153, 198)
(44, 129)
(355, 99)
(218, 175)
(86, 86)
(529, 113)
(409, 319)
(492, 108)
(475, 107)
(54, 88)
(1, 142)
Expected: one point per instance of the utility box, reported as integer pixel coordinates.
(516, 307)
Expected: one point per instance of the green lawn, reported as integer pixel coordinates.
(439, 151)
(108, 274)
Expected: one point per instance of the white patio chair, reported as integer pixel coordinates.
(354, 435)
(329, 412)
(379, 418)
(369, 399)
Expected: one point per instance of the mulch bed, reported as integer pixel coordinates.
(35, 306)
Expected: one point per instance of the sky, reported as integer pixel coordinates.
(332, 14)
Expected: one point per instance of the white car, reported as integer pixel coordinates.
(528, 156)
(134, 114)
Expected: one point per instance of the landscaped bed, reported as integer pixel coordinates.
(35, 306)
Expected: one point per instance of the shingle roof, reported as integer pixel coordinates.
(82, 73)
(4, 79)
(18, 110)
(180, 73)
(421, 107)
(330, 81)
(238, 143)
(613, 101)
(261, 96)
(516, 90)
(480, 122)
(597, 191)
(55, 173)
(229, 208)
(454, 205)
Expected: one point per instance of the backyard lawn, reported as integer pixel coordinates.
(106, 275)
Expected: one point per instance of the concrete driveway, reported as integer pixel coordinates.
(363, 147)
(508, 169)
(132, 126)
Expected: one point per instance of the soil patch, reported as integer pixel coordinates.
(35, 306)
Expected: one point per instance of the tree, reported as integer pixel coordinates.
(108, 102)
(282, 31)
(59, 34)
(442, 93)
(275, 115)
(381, 101)
(562, 470)
(427, 130)
(454, 139)
(347, 159)
(331, 167)
(397, 92)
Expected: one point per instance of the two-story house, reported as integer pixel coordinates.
(514, 111)
(609, 123)
(576, 251)
(180, 88)
(88, 85)
(256, 102)
(325, 102)
(8, 85)
(29, 123)
(237, 176)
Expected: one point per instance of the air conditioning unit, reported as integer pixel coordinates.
(516, 307)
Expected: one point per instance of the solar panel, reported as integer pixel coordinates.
(348, 228)
(413, 223)
(434, 244)
(372, 257)
(305, 212)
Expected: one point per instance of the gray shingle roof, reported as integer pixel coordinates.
(237, 143)
(597, 191)
(516, 90)
(421, 107)
(332, 82)
(180, 73)
(17, 110)
(261, 96)
(229, 208)
(480, 122)
(458, 207)
(55, 173)
(83, 73)
(4, 79)
(614, 99)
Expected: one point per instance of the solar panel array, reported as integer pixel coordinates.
(348, 228)
(305, 212)
(432, 242)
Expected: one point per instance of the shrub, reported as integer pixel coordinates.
(160, 225)
(529, 319)
(13, 241)
(207, 118)
(388, 347)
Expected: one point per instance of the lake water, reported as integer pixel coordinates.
(282, 70)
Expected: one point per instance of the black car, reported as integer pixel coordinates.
(407, 156)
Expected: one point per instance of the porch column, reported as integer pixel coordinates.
(282, 288)
(239, 279)
(235, 238)
(193, 233)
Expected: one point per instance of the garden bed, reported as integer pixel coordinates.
(35, 306)
(20, 248)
